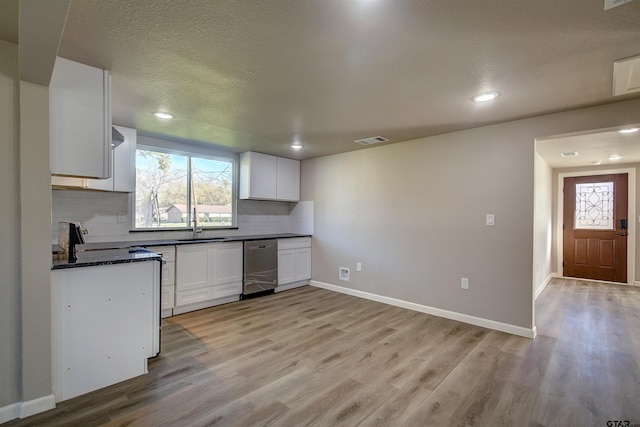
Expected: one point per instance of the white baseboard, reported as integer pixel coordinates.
(26, 409)
(465, 318)
(544, 284)
(9, 412)
(35, 406)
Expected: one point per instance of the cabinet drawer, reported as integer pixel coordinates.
(194, 295)
(168, 297)
(227, 289)
(294, 243)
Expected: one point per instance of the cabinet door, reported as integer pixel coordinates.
(257, 176)
(168, 273)
(227, 262)
(303, 264)
(124, 161)
(80, 120)
(286, 266)
(168, 297)
(194, 266)
(123, 177)
(288, 180)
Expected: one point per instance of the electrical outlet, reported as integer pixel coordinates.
(491, 219)
(359, 266)
(122, 217)
(344, 274)
(464, 283)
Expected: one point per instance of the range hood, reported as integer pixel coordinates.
(116, 137)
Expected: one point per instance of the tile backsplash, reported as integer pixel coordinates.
(107, 217)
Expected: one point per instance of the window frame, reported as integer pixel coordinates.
(218, 156)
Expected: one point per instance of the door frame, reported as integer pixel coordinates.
(631, 223)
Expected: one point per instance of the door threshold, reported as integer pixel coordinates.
(596, 281)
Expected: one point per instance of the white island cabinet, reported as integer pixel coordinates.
(294, 262)
(80, 120)
(266, 177)
(105, 325)
(207, 274)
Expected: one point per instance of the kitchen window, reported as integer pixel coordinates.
(174, 188)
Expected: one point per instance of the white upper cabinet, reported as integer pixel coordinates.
(123, 176)
(266, 177)
(258, 176)
(80, 120)
(288, 180)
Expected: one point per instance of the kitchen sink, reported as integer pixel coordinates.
(204, 239)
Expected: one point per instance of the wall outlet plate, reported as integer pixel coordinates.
(464, 283)
(344, 274)
(491, 220)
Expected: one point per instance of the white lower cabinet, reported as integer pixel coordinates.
(207, 274)
(294, 263)
(105, 324)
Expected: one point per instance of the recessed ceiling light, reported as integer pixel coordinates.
(615, 157)
(628, 130)
(296, 145)
(163, 115)
(485, 97)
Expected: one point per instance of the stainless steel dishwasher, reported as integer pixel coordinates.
(260, 266)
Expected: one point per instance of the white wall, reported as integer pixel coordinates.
(543, 219)
(35, 250)
(9, 273)
(413, 213)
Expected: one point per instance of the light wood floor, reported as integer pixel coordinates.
(314, 357)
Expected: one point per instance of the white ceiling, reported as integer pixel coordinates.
(591, 147)
(256, 75)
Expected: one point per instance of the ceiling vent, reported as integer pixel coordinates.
(372, 140)
(608, 4)
(569, 154)
(626, 76)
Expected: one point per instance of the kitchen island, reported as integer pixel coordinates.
(105, 318)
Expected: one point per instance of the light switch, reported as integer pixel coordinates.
(491, 219)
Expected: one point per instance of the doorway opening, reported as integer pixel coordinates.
(594, 227)
(606, 250)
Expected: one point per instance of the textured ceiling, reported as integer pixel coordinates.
(9, 20)
(257, 74)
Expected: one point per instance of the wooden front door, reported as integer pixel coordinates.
(595, 227)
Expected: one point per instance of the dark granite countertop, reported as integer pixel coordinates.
(118, 252)
(106, 257)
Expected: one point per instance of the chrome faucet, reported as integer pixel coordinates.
(196, 228)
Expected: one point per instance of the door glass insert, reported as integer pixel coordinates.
(594, 206)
